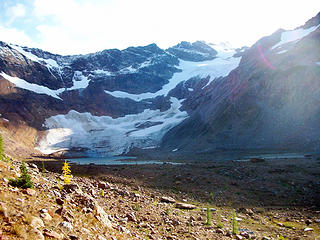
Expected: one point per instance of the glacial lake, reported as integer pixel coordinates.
(115, 160)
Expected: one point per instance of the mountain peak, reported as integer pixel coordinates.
(196, 51)
(315, 21)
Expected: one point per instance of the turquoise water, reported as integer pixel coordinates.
(118, 160)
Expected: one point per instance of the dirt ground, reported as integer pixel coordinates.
(274, 198)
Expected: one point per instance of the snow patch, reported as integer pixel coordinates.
(79, 81)
(318, 63)
(104, 135)
(151, 147)
(176, 149)
(219, 67)
(127, 70)
(20, 83)
(190, 89)
(294, 35)
(145, 64)
(50, 63)
(283, 51)
(224, 49)
(102, 72)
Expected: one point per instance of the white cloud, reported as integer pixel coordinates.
(74, 26)
(12, 35)
(17, 11)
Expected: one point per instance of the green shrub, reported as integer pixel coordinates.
(1, 148)
(43, 168)
(208, 216)
(235, 229)
(24, 181)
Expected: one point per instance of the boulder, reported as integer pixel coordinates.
(131, 217)
(66, 226)
(46, 216)
(32, 165)
(168, 200)
(36, 222)
(52, 234)
(185, 206)
(308, 229)
(220, 231)
(102, 216)
(103, 185)
(69, 188)
(29, 191)
(59, 201)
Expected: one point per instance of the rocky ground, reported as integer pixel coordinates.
(273, 199)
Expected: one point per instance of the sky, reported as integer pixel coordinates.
(80, 27)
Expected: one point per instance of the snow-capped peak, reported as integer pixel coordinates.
(224, 49)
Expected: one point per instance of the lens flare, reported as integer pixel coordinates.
(264, 58)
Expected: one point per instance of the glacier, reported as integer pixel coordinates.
(106, 136)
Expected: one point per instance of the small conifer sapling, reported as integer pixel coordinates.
(24, 181)
(66, 173)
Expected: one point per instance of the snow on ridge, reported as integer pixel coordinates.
(180, 48)
(282, 51)
(126, 70)
(108, 136)
(20, 83)
(218, 67)
(50, 63)
(102, 72)
(145, 64)
(79, 82)
(294, 35)
(224, 49)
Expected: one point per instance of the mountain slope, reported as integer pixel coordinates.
(190, 98)
(271, 101)
(108, 102)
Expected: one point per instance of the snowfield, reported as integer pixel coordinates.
(108, 136)
(218, 67)
(20, 83)
(50, 63)
(294, 35)
(79, 82)
(282, 51)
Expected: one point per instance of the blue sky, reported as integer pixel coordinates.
(79, 26)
